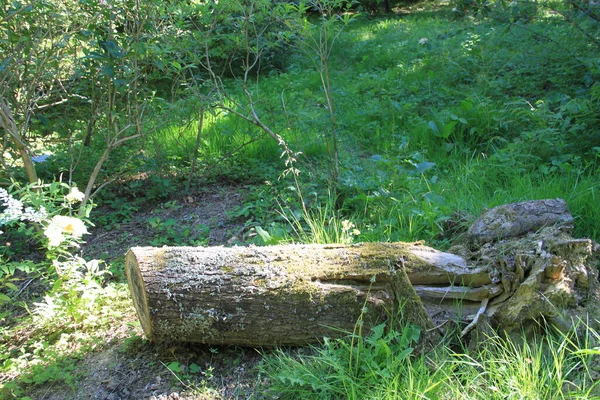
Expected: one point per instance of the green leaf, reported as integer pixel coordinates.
(384, 346)
(176, 65)
(377, 331)
(424, 166)
(434, 128)
(43, 120)
(403, 354)
(174, 366)
(194, 368)
(264, 235)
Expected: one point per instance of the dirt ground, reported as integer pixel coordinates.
(126, 366)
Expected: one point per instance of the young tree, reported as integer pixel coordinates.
(317, 42)
(228, 41)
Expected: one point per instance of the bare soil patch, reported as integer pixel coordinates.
(204, 212)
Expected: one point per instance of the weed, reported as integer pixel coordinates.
(376, 366)
(553, 366)
(193, 377)
(170, 232)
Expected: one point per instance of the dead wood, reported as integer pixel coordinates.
(276, 295)
(525, 270)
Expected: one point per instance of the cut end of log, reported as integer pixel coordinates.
(136, 284)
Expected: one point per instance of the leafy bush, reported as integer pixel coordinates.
(222, 35)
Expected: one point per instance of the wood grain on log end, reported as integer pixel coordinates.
(137, 289)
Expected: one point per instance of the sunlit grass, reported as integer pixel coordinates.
(222, 136)
(553, 366)
(479, 184)
(46, 351)
(320, 224)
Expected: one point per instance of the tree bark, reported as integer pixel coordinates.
(8, 123)
(276, 295)
(512, 220)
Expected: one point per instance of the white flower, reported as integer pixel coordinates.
(60, 226)
(423, 41)
(347, 225)
(4, 194)
(13, 208)
(33, 215)
(75, 195)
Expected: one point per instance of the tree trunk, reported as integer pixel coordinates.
(7, 122)
(276, 295)
(297, 294)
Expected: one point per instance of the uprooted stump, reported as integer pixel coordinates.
(546, 275)
(507, 278)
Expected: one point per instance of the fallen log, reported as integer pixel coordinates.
(509, 280)
(276, 295)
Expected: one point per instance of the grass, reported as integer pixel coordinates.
(556, 366)
(436, 116)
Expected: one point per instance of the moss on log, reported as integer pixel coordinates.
(276, 295)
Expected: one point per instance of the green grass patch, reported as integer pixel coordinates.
(383, 366)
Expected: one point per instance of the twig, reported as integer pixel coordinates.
(470, 327)
(438, 327)
(24, 287)
(187, 386)
(16, 12)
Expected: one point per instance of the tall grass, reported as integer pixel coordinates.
(462, 115)
(319, 224)
(223, 137)
(555, 366)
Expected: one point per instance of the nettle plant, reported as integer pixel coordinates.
(46, 214)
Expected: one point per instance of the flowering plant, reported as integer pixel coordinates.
(348, 232)
(15, 211)
(61, 228)
(45, 213)
(44, 206)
